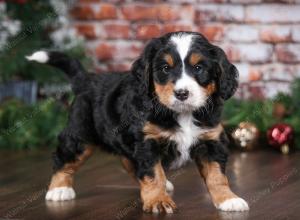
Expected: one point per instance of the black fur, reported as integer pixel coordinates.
(110, 110)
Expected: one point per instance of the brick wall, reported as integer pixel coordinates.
(262, 37)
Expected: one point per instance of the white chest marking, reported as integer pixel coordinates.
(185, 137)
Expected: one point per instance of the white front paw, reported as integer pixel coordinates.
(169, 186)
(234, 204)
(60, 194)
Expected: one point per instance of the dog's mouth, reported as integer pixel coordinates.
(184, 106)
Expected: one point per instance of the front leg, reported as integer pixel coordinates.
(154, 192)
(129, 167)
(212, 168)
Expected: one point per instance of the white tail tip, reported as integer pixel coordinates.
(39, 56)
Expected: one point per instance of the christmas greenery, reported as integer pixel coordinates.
(26, 126)
(261, 112)
(36, 23)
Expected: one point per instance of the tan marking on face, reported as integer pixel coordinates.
(216, 182)
(210, 88)
(153, 131)
(169, 59)
(195, 58)
(164, 92)
(64, 176)
(153, 191)
(212, 134)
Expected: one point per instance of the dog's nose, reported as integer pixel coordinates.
(181, 94)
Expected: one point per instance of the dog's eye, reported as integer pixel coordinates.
(197, 67)
(165, 68)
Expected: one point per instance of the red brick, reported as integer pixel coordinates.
(212, 33)
(116, 31)
(232, 53)
(118, 51)
(105, 51)
(228, 13)
(145, 32)
(83, 12)
(106, 11)
(128, 50)
(160, 12)
(254, 74)
(176, 27)
(139, 12)
(86, 30)
(119, 66)
(288, 53)
(167, 13)
(276, 34)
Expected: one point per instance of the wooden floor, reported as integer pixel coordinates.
(269, 181)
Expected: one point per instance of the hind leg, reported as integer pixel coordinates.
(61, 185)
(72, 151)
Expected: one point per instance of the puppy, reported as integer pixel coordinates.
(161, 114)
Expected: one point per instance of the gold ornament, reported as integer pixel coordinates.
(246, 135)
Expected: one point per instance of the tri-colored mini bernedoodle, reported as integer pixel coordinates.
(161, 114)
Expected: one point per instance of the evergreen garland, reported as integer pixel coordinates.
(260, 112)
(31, 126)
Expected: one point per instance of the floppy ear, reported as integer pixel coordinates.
(227, 75)
(142, 67)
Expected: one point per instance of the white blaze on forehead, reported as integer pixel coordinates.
(183, 43)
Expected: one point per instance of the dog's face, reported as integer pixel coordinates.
(184, 70)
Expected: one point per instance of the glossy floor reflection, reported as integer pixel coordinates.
(268, 180)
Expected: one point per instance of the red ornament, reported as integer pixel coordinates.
(281, 137)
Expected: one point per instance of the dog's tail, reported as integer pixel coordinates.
(71, 67)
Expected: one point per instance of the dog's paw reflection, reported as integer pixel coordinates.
(233, 215)
(60, 207)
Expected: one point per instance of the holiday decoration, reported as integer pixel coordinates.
(246, 135)
(284, 108)
(281, 136)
